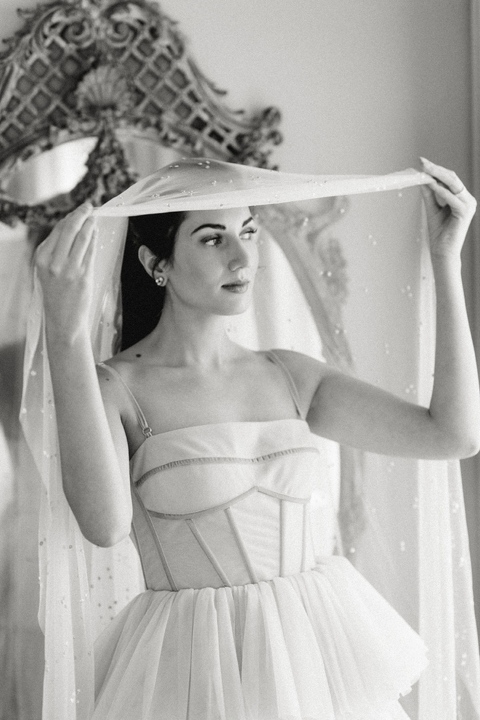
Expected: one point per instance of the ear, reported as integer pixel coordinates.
(148, 260)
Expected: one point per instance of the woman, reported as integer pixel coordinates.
(208, 447)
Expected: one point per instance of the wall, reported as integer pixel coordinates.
(363, 87)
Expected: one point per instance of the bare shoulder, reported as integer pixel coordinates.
(306, 372)
(111, 387)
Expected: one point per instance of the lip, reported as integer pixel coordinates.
(237, 287)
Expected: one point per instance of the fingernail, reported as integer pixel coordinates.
(425, 161)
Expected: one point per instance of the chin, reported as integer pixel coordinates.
(237, 308)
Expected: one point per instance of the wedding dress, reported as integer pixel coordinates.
(239, 620)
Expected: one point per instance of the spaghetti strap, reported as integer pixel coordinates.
(146, 429)
(272, 355)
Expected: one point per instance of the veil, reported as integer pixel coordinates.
(83, 587)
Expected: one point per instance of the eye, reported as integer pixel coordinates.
(212, 240)
(250, 231)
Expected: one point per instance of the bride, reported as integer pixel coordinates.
(202, 450)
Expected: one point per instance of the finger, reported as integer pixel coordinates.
(434, 202)
(430, 201)
(68, 228)
(82, 240)
(446, 176)
(90, 252)
(52, 252)
(444, 196)
(462, 207)
(45, 248)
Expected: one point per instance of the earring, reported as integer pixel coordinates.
(161, 280)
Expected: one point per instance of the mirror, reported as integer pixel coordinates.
(118, 73)
(55, 172)
(65, 166)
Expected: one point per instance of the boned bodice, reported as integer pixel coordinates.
(224, 504)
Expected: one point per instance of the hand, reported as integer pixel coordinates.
(64, 263)
(449, 208)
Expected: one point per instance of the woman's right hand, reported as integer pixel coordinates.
(93, 445)
(64, 263)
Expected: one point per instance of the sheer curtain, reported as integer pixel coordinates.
(472, 269)
(21, 641)
(414, 547)
(21, 638)
(411, 540)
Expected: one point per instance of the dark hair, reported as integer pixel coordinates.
(142, 299)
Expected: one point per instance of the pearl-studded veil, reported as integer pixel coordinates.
(83, 586)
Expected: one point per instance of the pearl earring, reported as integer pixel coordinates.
(161, 280)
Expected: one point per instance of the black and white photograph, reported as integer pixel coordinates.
(239, 394)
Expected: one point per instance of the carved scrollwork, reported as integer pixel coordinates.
(318, 262)
(97, 68)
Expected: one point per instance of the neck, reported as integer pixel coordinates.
(186, 337)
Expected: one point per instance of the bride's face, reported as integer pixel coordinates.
(215, 260)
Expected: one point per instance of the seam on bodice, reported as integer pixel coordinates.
(157, 542)
(208, 552)
(228, 503)
(223, 460)
(226, 507)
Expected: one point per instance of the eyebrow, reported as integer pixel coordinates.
(215, 226)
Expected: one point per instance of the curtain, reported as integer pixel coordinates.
(471, 266)
(21, 641)
(414, 546)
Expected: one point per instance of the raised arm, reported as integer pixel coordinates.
(361, 415)
(93, 446)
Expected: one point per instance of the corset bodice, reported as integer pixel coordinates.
(239, 619)
(224, 504)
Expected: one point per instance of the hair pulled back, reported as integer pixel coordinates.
(142, 299)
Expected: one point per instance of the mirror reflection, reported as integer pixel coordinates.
(49, 174)
(59, 170)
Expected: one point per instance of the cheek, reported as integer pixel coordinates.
(194, 272)
(254, 257)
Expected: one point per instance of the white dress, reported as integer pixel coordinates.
(239, 621)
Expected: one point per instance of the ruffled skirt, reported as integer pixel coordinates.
(318, 645)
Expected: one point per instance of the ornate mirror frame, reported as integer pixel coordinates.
(120, 69)
(103, 69)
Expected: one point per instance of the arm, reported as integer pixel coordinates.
(361, 415)
(93, 446)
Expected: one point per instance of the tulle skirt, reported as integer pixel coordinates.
(318, 645)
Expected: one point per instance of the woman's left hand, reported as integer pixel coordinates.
(449, 208)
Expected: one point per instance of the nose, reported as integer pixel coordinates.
(240, 257)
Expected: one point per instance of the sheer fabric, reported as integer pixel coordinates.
(83, 587)
(413, 547)
(21, 641)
